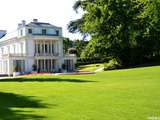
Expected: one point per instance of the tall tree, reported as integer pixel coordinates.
(67, 43)
(124, 29)
(80, 46)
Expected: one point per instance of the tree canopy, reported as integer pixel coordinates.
(127, 30)
(79, 45)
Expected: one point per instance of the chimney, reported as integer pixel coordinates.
(23, 22)
(35, 20)
(19, 25)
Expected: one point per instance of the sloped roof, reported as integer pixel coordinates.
(40, 24)
(9, 35)
(2, 33)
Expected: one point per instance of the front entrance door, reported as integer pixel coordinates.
(45, 65)
(69, 65)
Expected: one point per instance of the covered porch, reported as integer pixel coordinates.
(45, 65)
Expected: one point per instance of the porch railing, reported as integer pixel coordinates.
(46, 54)
(14, 55)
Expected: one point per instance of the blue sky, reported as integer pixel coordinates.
(57, 12)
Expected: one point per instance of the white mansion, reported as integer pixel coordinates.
(35, 44)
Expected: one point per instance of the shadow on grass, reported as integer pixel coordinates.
(25, 79)
(11, 103)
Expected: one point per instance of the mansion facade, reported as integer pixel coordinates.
(36, 45)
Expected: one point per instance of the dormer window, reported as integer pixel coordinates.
(57, 32)
(44, 31)
(30, 31)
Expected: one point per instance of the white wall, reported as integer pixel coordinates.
(28, 64)
(30, 47)
(14, 48)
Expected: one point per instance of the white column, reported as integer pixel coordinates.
(9, 67)
(51, 47)
(0, 67)
(51, 65)
(41, 51)
(58, 52)
(55, 47)
(44, 48)
(61, 48)
(47, 47)
(54, 51)
(40, 64)
(43, 64)
(37, 63)
(35, 47)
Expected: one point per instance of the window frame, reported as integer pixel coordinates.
(30, 31)
(44, 31)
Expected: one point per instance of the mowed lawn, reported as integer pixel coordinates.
(132, 94)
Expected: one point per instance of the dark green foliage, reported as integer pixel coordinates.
(112, 64)
(127, 30)
(89, 60)
(67, 43)
(78, 45)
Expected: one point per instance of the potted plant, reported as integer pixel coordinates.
(34, 68)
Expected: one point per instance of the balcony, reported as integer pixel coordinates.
(45, 34)
(46, 54)
(14, 55)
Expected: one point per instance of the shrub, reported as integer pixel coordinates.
(112, 64)
(90, 60)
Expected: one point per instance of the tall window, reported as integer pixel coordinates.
(14, 48)
(21, 47)
(52, 49)
(19, 64)
(44, 31)
(30, 31)
(38, 48)
(42, 50)
(8, 49)
(21, 32)
(46, 48)
(49, 47)
(35, 48)
(2, 50)
(57, 32)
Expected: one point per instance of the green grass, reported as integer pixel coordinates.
(90, 67)
(131, 94)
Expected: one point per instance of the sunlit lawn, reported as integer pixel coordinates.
(132, 94)
(90, 67)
